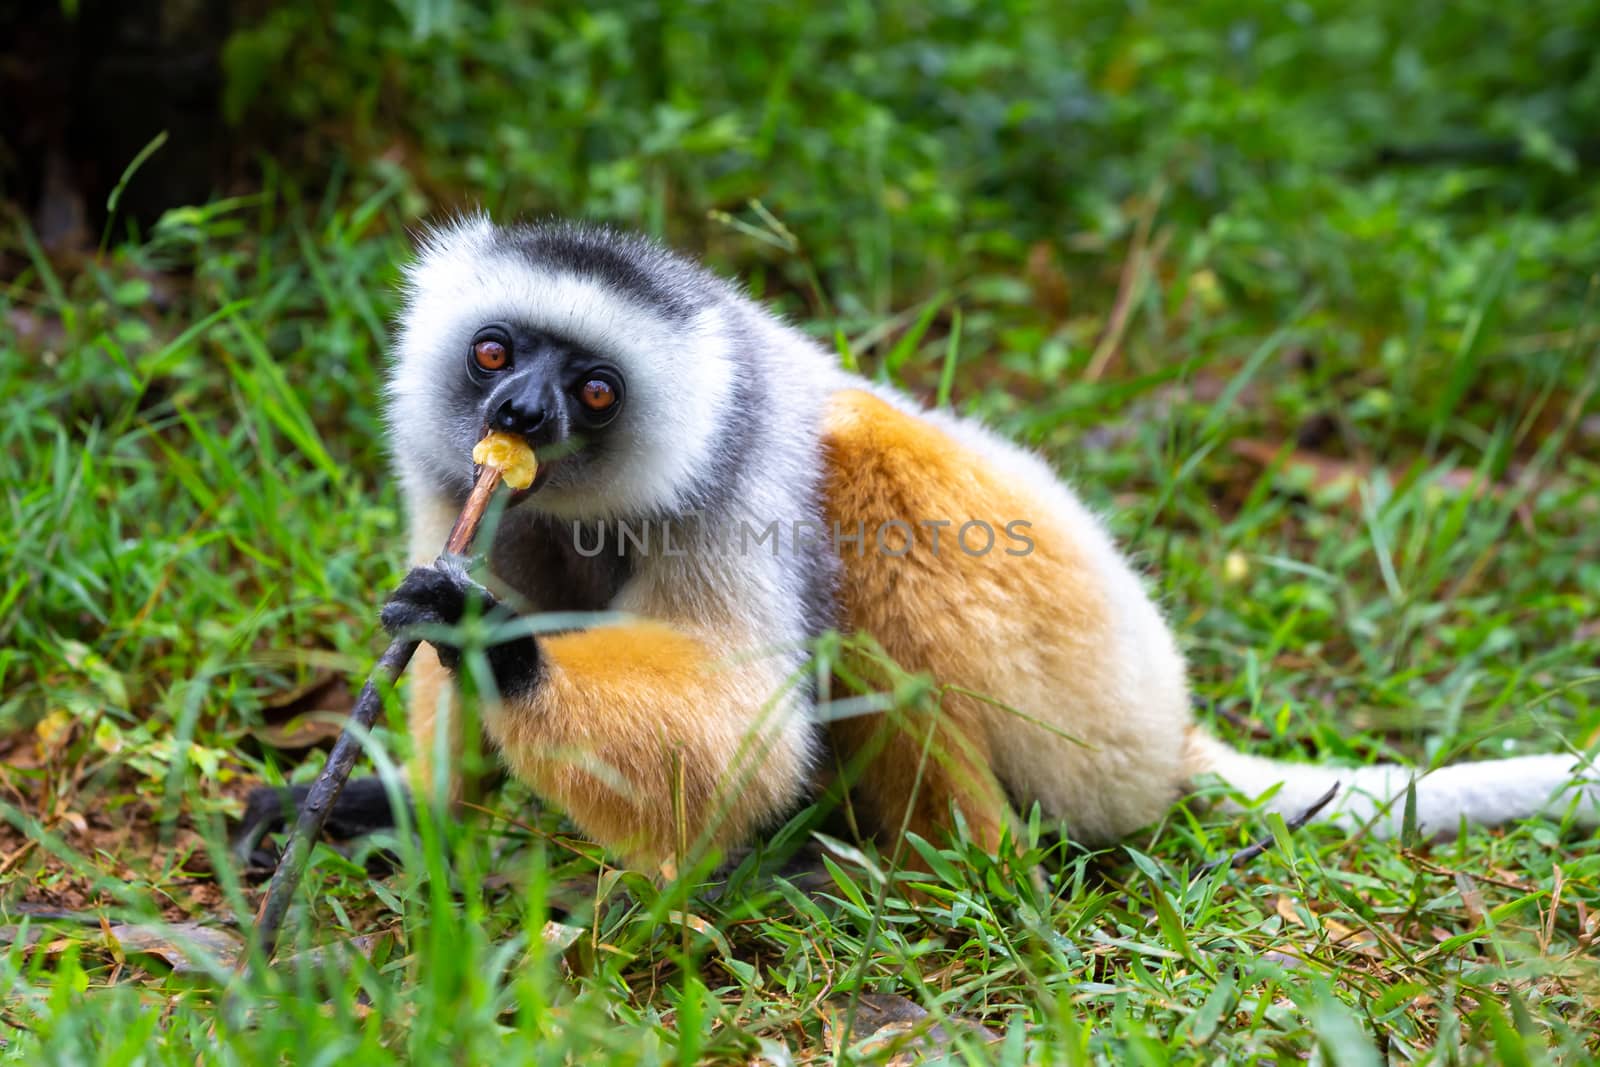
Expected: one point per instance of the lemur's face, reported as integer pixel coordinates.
(553, 393)
(610, 356)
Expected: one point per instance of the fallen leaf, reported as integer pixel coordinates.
(1285, 957)
(1351, 940)
(10, 934)
(303, 718)
(1470, 898)
(54, 730)
(338, 953)
(1338, 934)
(185, 947)
(1235, 568)
(1051, 290)
(888, 1022)
(561, 936)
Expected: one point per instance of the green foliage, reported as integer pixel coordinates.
(909, 137)
(1300, 296)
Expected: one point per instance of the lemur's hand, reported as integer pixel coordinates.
(442, 595)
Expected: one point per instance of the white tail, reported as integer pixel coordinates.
(1485, 793)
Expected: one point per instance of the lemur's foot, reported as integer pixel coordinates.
(362, 808)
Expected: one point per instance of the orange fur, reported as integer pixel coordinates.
(905, 778)
(977, 623)
(633, 724)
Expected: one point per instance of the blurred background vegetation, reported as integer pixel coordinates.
(1300, 294)
(1344, 148)
(1099, 210)
(1391, 160)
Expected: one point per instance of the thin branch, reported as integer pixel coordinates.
(1251, 851)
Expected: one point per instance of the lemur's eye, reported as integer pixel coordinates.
(490, 354)
(598, 395)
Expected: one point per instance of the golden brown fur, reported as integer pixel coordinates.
(967, 621)
(636, 724)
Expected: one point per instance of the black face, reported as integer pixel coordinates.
(554, 394)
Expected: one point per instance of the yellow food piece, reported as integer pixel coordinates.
(509, 454)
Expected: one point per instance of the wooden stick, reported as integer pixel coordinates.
(325, 790)
(1251, 851)
(483, 488)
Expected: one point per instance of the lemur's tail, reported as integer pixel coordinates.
(1486, 793)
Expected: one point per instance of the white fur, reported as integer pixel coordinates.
(1486, 793)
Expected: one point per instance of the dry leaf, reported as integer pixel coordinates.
(54, 731)
(1338, 934)
(185, 947)
(338, 952)
(303, 718)
(1284, 956)
(1325, 473)
(887, 1022)
(10, 934)
(561, 936)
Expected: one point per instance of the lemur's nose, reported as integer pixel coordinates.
(519, 415)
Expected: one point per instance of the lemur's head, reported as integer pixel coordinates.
(610, 355)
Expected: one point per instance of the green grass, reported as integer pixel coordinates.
(1347, 426)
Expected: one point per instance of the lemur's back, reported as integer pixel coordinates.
(979, 568)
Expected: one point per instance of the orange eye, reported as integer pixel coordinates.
(598, 395)
(490, 355)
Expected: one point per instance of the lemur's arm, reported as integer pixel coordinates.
(433, 708)
(631, 727)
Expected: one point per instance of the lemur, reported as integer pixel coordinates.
(660, 397)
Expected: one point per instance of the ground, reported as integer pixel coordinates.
(1301, 299)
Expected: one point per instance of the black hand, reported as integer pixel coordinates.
(442, 595)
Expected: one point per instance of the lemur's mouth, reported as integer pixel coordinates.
(550, 456)
(539, 478)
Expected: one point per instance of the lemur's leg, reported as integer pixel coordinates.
(649, 737)
(905, 777)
